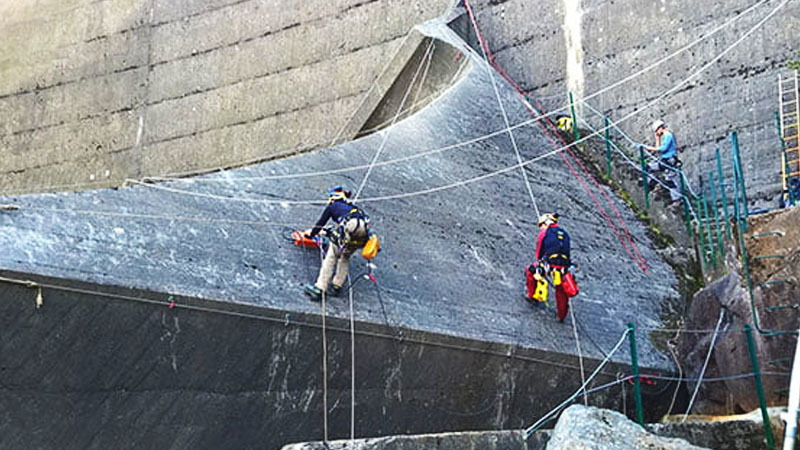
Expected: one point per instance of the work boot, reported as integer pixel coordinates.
(335, 290)
(313, 292)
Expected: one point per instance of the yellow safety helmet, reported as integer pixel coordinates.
(547, 219)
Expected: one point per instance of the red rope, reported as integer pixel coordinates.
(622, 233)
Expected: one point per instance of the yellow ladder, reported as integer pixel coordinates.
(788, 96)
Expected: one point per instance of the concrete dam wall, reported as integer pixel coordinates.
(128, 89)
(120, 89)
(172, 315)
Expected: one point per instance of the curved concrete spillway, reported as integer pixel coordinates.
(452, 260)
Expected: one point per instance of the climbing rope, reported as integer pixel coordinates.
(536, 425)
(485, 49)
(671, 349)
(388, 130)
(324, 359)
(371, 87)
(352, 363)
(705, 365)
(580, 354)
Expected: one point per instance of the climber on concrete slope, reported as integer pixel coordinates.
(553, 260)
(667, 149)
(564, 123)
(349, 233)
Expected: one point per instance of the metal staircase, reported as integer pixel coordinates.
(789, 121)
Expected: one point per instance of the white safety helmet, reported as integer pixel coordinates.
(547, 219)
(657, 124)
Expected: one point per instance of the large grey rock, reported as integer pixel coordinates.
(478, 440)
(741, 432)
(582, 427)
(775, 288)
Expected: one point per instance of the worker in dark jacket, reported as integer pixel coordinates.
(552, 259)
(350, 232)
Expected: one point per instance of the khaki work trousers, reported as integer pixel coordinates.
(338, 258)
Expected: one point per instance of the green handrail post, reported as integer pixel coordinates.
(607, 132)
(701, 220)
(720, 241)
(740, 172)
(721, 178)
(685, 203)
(645, 181)
(762, 402)
(735, 171)
(576, 135)
(707, 221)
(637, 387)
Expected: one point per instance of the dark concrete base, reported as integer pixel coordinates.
(124, 369)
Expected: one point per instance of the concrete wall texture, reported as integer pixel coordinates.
(122, 89)
(117, 89)
(621, 37)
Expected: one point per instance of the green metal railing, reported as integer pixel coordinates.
(762, 402)
(711, 222)
(712, 206)
(721, 178)
(637, 385)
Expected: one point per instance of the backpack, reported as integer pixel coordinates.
(339, 233)
(556, 243)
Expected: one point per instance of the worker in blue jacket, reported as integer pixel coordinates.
(349, 233)
(667, 150)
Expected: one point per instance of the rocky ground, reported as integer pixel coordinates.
(773, 257)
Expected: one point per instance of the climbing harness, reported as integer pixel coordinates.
(342, 238)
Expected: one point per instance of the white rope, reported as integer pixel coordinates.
(490, 70)
(424, 76)
(175, 218)
(705, 365)
(543, 419)
(580, 355)
(680, 376)
(510, 168)
(352, 364)
(324, 358)
(527, 122)
(388, 130)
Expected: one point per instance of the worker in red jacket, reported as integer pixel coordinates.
(553, 260)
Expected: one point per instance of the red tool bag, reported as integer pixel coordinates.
(569, 285)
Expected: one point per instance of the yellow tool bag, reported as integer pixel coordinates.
(372, 247)
(556, 277)
(540, 294)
